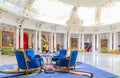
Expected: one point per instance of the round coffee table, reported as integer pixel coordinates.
(49, 69)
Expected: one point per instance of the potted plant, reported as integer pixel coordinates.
(103, 50)
(81, 50)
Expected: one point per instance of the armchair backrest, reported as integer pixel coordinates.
(62, 52)
(30, 53)
(73, 57)
(20, 59)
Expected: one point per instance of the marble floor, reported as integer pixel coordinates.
(107, 62)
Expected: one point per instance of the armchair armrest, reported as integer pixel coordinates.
(64, 58)
(56, 55)
(68, 57)
(37, 56)
(33, 63)
(62, 61)
(28, 58)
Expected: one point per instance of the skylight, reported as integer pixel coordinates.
(57, 12)
(15, 4)
(87, 15)
(53, 11)
(111, 15)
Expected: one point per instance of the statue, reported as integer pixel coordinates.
(45, 43)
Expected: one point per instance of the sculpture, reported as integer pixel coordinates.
(45, 43)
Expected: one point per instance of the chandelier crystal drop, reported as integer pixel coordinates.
(74, 22)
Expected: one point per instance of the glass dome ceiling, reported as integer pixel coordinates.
(58, 12)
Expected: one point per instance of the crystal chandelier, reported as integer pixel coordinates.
(74, 22)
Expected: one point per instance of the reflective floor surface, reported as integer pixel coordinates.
(107, 62)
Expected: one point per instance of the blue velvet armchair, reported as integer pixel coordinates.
(62, 54)
(31, 55)
(26, 64)
(67, 62)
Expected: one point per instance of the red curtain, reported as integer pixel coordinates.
(25, 41)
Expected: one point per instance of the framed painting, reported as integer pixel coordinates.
(74, 42)
(7, 39)
(104, 43)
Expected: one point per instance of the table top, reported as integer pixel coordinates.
(47, 54)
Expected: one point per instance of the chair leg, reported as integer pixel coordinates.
(74, 67)
(26, 71)
(68, 69)
(40, 68)
(43, 62)
(18, 69)
(56, 68)
(51, 61)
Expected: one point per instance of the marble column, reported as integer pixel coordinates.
(93, 42)
(110, 43)
(68, 41)
(39, 42)
(51, 42)
(17, 38)
(97, 42)
(30, 41)
(68, 44)
(65, 40)
(35, 40)
(79, 41)
(115, 40)
(21, 38)
(83, 41)
(55, 47)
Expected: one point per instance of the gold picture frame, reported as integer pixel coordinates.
(104, 43)
(7, 39)
(74, 43)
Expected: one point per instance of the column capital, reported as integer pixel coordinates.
(55, 32)
(80, 34)
(21, 27)
(112, 28)
(21, 20)
(52, 32)
(81, 29)
(17, 27)
(39, 25)
(83, 34)
(39, 30)
(53, 28)
(36, 30)
(115, 32)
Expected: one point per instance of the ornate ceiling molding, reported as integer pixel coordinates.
(87, 2)
(39, 24)
(21, 20)
(2, 11)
